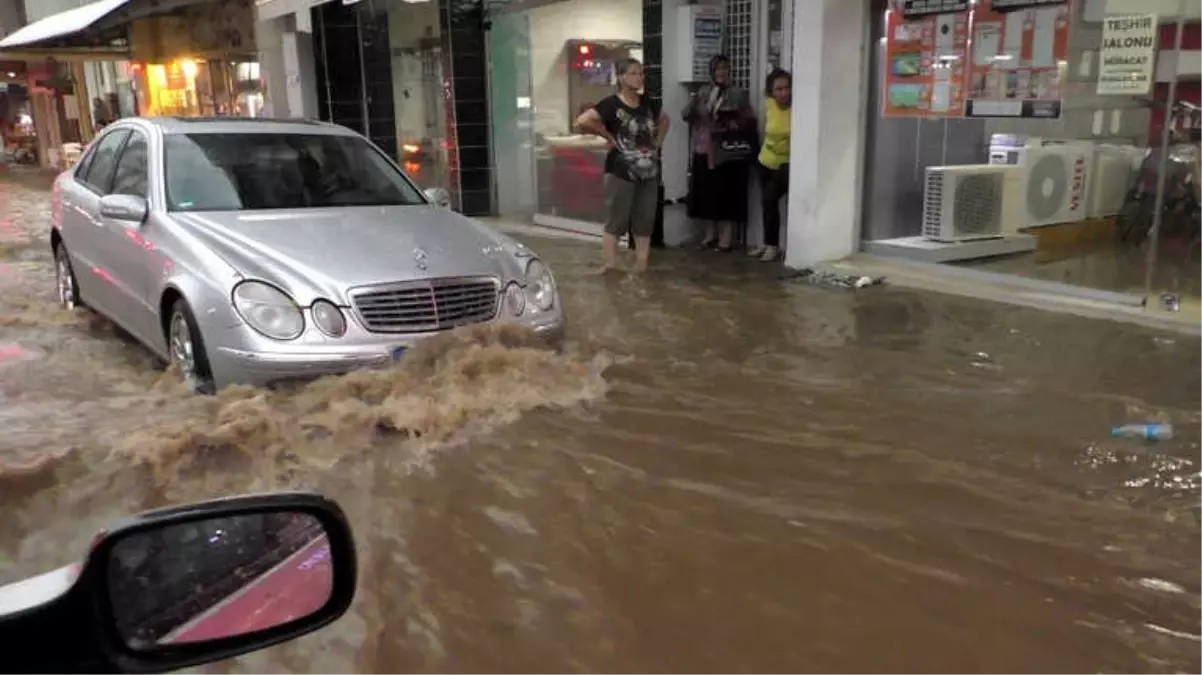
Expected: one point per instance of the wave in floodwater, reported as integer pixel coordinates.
(153, 442)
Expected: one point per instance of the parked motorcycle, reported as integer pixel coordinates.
(186, 585)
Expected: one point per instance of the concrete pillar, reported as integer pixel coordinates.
(299, 73)
(286, 63)
(268, 39)
(678, 228)
(830, 91)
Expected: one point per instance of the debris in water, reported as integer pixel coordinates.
(1148, 432)
(833, 280)
(1171, 302)
(12, 352)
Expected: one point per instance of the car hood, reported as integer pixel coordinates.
(322, 252)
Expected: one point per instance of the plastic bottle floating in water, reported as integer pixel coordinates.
(1149, 432)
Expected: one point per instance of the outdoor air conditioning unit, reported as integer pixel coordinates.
(975, 201)
(1111, 181)
(1056, 184)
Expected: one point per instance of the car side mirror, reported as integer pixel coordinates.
(206, 582)
(128, 208)
(439, 197)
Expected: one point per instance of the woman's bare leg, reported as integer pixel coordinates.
(728, 233)
(609, 251)
(642, 253)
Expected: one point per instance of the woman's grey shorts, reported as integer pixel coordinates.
(630, 206)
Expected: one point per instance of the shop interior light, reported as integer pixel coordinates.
(189, 68)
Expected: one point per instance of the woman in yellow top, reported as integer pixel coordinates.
(774, 160)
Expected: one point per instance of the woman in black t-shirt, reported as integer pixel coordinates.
(635, 128)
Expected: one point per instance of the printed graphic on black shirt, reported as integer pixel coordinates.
(634, 157)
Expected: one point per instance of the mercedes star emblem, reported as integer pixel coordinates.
(419, 257)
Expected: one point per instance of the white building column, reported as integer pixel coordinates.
(300, 72)
(271, 66)
(286, 64)
(830, 54)
(678, 228)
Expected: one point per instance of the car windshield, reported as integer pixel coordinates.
(250, 172)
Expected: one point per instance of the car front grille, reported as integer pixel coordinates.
(427, 305)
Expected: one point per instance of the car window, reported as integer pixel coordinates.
(100, 169)
(81, 169)
(130, 176)
(253, 171)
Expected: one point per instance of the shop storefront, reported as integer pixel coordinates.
(1023, 137)
(109, 59)
(200, 60)
(478, 98)
(187, 87)
(552, 60)
(16, 115)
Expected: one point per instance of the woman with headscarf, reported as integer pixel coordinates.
(723, 124)
(635, 128)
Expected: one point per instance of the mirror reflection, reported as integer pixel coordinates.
(219, 577)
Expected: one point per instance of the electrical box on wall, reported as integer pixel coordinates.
(700, 31)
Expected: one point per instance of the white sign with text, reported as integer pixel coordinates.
(1127, 60)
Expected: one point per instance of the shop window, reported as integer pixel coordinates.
(417, 137)
(111, 91)
(100, 169)
(776, 37)
(131, 173)
(397, 51)
(1019, 142)
(192, 88)
(550, 63)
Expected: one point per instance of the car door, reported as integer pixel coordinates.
(128, 252)
(82, 226)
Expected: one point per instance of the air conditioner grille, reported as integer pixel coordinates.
(978, 205)
(932, 204)
(1047, 186)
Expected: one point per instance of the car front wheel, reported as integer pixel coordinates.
(64, 276)
(187, 350)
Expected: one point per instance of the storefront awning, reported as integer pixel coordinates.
(50, 31)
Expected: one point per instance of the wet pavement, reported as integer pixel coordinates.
(722, 472)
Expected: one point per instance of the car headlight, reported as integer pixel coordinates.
(328, 318)
(268, 310)
(515, 299)
(540, 287)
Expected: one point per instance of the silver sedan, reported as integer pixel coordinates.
(254, 251)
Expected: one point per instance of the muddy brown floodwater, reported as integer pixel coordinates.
(722, 472)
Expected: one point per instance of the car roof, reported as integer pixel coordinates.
(244, 125)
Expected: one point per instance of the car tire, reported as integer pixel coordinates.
(65, 280)
(186, 349)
